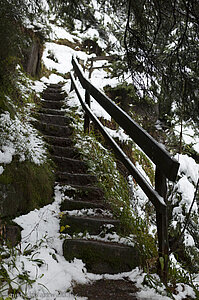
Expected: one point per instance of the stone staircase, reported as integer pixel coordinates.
(100, 257)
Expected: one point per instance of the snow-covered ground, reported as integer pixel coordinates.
(39, 258)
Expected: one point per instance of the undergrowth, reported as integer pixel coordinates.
(15, 281)
(102, 163)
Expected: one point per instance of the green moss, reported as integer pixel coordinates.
(25, 186)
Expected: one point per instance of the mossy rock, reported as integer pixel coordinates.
(101, 257)
(25, 186)
(10, 232)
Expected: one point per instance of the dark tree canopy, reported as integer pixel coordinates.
(162, 47)
(161, 42)
(15, 40)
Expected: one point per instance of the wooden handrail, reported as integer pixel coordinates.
(166, 166)
(155, 198)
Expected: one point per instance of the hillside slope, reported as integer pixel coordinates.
(32, 267)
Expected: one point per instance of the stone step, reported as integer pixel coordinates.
(49, 111)
(85, 193)
(51, 104)
(68, 152)
(53, 129)
(58, 141)
(103, 289)
(69, 165)
(57, 89)
(53, 119)
(54, 96)
(101, 257)
(55, 85)
(70, 204)
(71, 178)
(91, 224)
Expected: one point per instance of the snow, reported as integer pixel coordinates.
(45, 262)
(38, 86)
(98, 110)
(58, 32)
(6, 154)
(188, 241)
(183, 193)
(63, 55)
(1, 170)
(120, 134)
(188, 167)
(90, 212)
(53, 276)
(184, 291)
(190, 135)
(18, 137)
(186, 189)
(53, 78)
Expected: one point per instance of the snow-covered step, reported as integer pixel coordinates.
(70, 204)
(51, 89)
(103, 289)
(49, 111)
(70, 178)
(53, 129)
(69, 165)
(57, 86)
(102, 257)
(85, 193)
(47, 95)
(53, 119)
(59, 141)
(52, 104)
(69, 152)
(94, 225)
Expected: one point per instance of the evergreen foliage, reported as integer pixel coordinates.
(162, 47)
(76, 9)
(11, 15)
(16, 42)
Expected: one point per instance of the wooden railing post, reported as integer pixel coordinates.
(86, 117)
(90, 69)
(162, 227)
(72, 86)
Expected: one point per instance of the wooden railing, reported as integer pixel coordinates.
(166, 166)
(99, 58)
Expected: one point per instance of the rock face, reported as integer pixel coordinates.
(25, 186)
(33, 64)
(10, 232)
(101, 257)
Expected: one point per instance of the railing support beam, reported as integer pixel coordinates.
(86, 116)
(162, 227)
